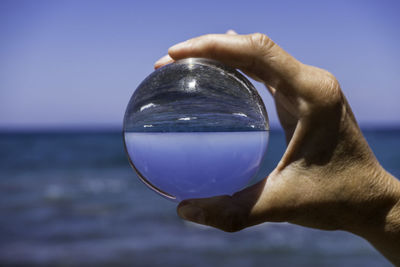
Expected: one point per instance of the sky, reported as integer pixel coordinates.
(75, 64)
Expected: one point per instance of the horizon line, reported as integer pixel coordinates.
(115, 129)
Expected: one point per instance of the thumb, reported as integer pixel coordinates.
(228, 213)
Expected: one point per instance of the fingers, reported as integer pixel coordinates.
(260, 58)
(163, 61)
(228, 213)
(255, 54)
(167, 59)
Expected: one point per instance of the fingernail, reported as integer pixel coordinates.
(162, 61)
(191, 213)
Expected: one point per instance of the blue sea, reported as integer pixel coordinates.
(71, 199)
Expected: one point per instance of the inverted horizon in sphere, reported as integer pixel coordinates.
(196, 164)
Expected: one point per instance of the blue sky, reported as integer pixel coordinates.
(76, 63)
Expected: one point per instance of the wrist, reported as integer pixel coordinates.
(380, 224)
(380, 205)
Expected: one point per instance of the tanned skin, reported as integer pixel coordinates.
(328, 177)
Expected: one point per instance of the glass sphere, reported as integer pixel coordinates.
(195, 128)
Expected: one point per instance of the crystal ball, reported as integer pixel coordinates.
(195, 128)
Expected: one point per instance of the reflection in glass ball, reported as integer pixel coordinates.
(195, 128)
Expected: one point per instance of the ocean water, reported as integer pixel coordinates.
(183, 165)
(71, 199)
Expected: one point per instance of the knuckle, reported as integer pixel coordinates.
(260, 45)
(331, 80)
(331, 86)
(322, 89)
(260, 41)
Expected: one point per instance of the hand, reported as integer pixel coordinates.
(328, 178)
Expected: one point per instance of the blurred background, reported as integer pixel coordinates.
(67, 70)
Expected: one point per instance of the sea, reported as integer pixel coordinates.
(71, 199)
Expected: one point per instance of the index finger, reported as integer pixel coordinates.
(255, 54)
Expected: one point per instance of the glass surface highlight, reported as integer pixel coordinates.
(195, 128)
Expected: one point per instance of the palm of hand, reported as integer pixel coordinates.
(313, 183)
